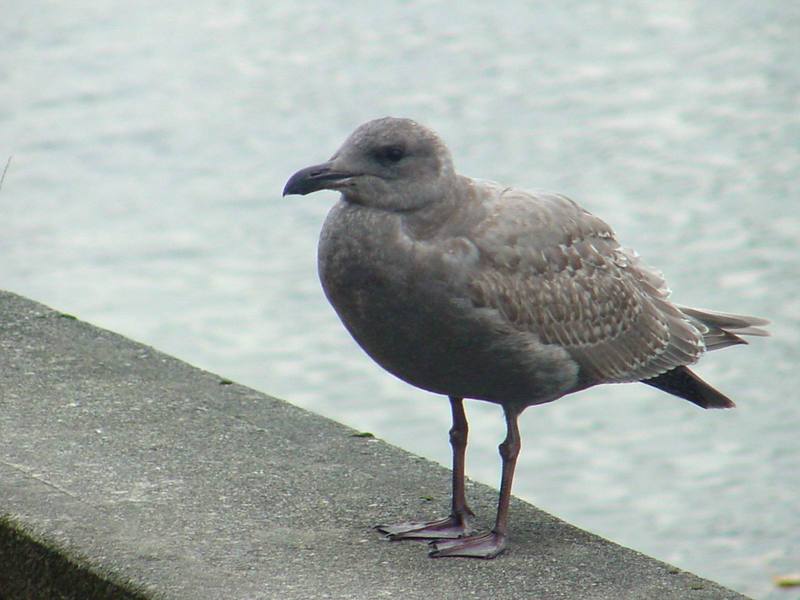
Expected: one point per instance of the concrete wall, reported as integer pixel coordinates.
(125, 473)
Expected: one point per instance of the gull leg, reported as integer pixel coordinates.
(489, 545)
(457, 524)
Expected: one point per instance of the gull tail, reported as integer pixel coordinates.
(719, 330)
(723, 329)
(683, 383)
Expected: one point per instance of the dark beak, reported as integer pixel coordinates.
(312, 179)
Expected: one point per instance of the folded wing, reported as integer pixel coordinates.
(557, 271)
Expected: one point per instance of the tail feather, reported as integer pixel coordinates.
(683, 383)
(724, 329)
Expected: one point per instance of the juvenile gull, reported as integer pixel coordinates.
(476, 290)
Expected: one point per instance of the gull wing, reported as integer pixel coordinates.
(552, 269)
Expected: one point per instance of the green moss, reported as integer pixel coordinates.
(35, 568)
(786, 581)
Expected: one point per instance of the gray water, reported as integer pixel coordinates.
(151, 141)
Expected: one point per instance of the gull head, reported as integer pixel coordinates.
(390, 164)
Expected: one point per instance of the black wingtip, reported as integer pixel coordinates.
(683, 383)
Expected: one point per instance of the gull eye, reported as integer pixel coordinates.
(391, 153)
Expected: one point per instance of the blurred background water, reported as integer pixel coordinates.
(151, 141)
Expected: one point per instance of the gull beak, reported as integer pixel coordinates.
(312, 179)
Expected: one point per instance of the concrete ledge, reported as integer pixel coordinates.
(125, 473)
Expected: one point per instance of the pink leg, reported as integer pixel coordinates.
(457, 524)
(489, 545)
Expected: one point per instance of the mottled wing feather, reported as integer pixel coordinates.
(560, 274)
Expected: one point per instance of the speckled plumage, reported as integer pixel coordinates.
(476, 290)
(490, 292)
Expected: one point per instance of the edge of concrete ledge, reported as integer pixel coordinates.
(35, 567)
(126, 473)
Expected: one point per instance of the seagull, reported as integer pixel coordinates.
(472, 289)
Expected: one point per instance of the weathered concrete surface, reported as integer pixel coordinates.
(122, 468)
